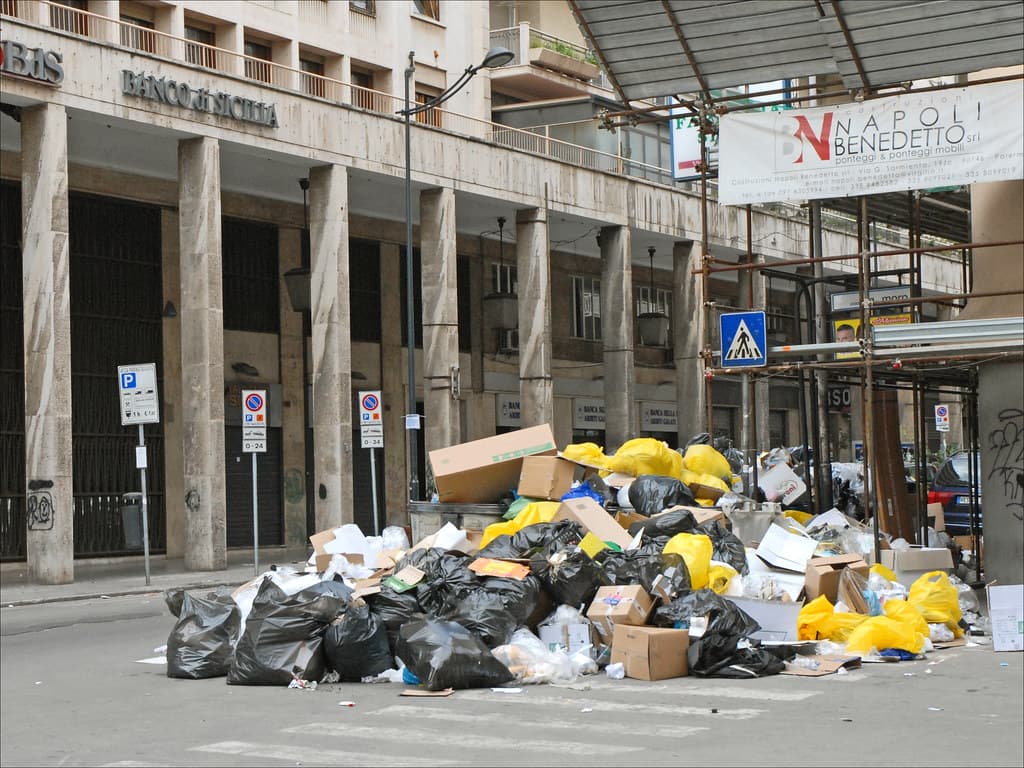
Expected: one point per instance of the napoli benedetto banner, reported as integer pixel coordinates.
(911, 141)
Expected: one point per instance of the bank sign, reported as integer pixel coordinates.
(179, 94)
(36, 64)
(911, 141)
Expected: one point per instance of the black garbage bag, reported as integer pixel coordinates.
(542, 538)
(667, 524)
(445, 573)
(650, 494)
(522, 599)
(647, 566)
(727, 546)
(283, 636)
(483, 613)
(393, 609)
(356, 644)
(715, 652)
(701, 438)
(444, 654)
(571, 576)
(203, 639)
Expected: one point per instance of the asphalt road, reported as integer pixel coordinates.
(74, 693)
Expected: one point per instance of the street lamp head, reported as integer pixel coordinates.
(498, 56)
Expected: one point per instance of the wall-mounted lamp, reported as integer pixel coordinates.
(169, 309)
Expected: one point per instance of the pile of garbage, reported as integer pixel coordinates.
(646, 563)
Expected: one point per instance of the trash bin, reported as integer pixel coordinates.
(131, 520)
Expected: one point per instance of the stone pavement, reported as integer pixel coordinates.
(127, 576)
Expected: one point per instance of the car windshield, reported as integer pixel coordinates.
(956, 471)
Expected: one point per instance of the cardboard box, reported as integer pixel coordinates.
(626, 517)
(782, 484)
(778, 618)
(910, 564)
(823, 574)
(700, 514)
(651, 653)
(568, 637)
(626, 604)
(1006, 609)
(481, 471)
(936, 517)
(788, 551)
(593, 518)
(966, 543)
(545, 477)
(823, 665)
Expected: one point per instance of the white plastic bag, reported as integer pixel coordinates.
(394, 538)
(529, 659)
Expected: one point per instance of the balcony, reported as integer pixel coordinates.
(545, 67)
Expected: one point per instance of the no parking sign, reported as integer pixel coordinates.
(371, 422)
(254, 421)
(942, 418)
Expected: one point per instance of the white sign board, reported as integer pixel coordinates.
(942, 418)
(658, 417)
(685, 137)
(140, 400)
(254, 421)
(507, 413)
(371, 420)
(587, 413)
(848, 301)
(911, 141)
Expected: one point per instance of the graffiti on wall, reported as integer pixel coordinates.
(1006, 444)
(39, 505)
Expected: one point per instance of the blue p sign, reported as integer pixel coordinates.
(128, 381)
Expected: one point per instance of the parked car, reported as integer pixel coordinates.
(951, 488)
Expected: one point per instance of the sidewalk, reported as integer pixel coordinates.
(127, 576)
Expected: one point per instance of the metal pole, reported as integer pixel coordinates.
(822, 448)
(748, 485)
(411, 420)
(705, 283)
(145, 505)
(373, 482)
(255, 523)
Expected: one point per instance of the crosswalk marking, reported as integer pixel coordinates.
(616, 706)
(298, 754)
(416, 735)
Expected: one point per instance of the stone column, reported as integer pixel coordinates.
(293, 393)
(687, 337)
(332, 345)
(617, 320)
(47, 344)
(440, 317)
(202, 352)
(393, 374)
(533, 266)
(173, 408)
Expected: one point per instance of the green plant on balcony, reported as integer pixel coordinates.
(565, 49)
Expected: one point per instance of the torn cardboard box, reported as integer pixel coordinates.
(627, 604)
(823, 574)
(593, 518)
(788, 551)
(910, 564)
(651, 653)
(568, 637)
(819, 666)
(545, 477)
(481, 471)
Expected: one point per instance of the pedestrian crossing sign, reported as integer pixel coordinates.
(743, 340)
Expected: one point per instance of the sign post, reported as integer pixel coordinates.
(371, 435)
(254, 440)
(140, 404)
(743, 340)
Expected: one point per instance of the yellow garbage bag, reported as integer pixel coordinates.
(818, 620)
(588, 453)
(645, 456)
(696, 550)
(533, 513)
(904, 612)
(705, 460)
(719, 576)
(937, 600)
(881, 632)
(713, 482)
(884, 572)
(796, 514)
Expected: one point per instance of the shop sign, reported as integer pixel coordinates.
(657, 417)
(178, 94)
(33, 63)
(588, 413)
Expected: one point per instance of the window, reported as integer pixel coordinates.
(199, 50)
(723, 422)
(504, 278)
(429, 8)
(257, 62)
(431, 116)
(64, 15)
(139, 36)
(586, 308)
(312, 77)
(661, 302)
(363, 6)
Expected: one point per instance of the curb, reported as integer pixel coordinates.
(101, 595)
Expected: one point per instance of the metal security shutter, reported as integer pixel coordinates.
(12, 389)
(238, 490)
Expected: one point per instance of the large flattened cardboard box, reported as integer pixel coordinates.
(651, 653)
(545, 477)
(823, 574)
(481, 471)
(593, 518)
(910, 564)
(624, 604)
(1006, 609)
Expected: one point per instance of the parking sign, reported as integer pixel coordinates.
(254, 421)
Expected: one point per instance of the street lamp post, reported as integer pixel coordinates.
(495, 57)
